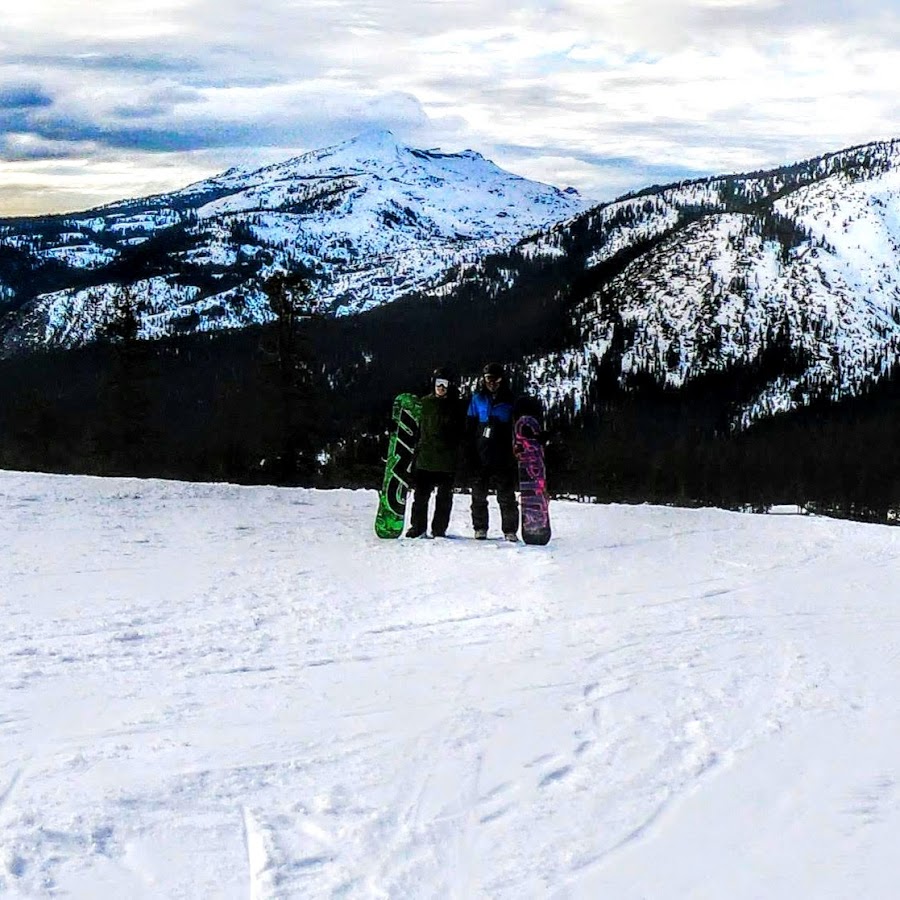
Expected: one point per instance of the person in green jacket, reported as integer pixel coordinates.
(437, 452)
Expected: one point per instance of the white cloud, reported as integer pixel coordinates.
(67, 20)
(596, 94)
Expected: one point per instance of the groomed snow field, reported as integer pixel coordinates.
(211, 691)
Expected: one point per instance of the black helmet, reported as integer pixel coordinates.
(494, 368)
(443, 372)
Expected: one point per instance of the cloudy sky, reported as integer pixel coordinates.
(106, 99)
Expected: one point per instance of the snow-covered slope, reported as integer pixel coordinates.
(373, 219)
(214, 691)
(707, 276)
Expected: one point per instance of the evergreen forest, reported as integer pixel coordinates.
(306, 401)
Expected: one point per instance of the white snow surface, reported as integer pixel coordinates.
(70, 316)
(221, 691)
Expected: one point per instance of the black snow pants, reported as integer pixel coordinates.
(425, 483)
(504, 480)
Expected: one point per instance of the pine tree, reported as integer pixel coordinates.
(127, 381)
(287, 360)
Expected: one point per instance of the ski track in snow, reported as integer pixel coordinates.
(211, 690)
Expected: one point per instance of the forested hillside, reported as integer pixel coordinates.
(731, 341)
(211, 408)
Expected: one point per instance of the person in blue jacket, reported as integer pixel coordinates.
(489, 439)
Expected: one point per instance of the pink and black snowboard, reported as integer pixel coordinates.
(534, 500)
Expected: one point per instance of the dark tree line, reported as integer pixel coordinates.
(261, 405)
(243, 406)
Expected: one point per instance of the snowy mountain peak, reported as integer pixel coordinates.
(373, 140)
(372, 219)
(373, 147)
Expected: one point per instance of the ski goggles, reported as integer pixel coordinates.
(441, 382)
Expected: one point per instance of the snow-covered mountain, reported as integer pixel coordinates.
(711, 275)
(793, 273)
(373, 219)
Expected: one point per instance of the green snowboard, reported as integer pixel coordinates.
(398, 469)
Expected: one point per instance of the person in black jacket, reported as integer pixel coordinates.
(489, 425)
(437, 454)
